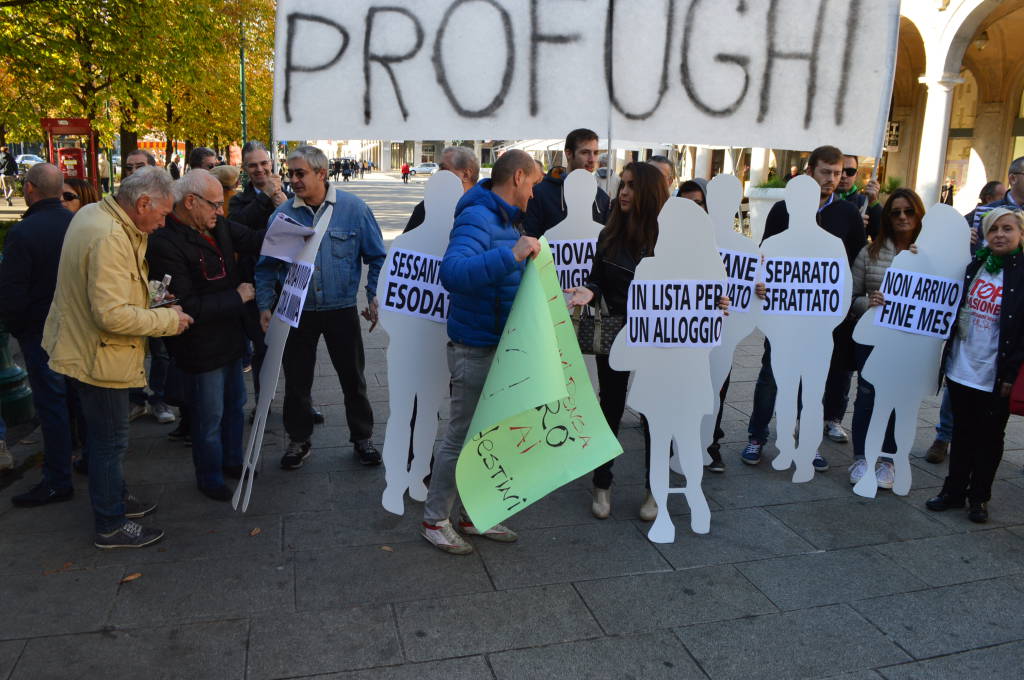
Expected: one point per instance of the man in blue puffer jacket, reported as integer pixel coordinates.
(481, 271)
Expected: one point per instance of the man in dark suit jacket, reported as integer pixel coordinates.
(28, 276)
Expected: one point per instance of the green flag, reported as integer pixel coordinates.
(538, 423)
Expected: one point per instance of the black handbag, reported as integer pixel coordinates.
(596, 328)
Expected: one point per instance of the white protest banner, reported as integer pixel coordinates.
(806, 73)
(742, 269)
(293, 293)
(674, 313)
(918, 303)
(573, 260)
(809, 286)
(414, 286)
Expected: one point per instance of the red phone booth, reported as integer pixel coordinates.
(74, 161)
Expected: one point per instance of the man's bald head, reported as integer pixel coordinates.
(43, 180)
(513, 177)
(511, 161)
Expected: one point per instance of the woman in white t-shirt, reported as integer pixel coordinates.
(981, 361)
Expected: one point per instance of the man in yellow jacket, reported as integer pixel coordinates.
(96, 331)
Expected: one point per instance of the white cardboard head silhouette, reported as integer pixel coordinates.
(902, 366)
(672, 385)
(417, 365)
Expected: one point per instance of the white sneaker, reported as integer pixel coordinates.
(857, 470)
(162, 412)
(834, 431)
(602, 505)
(444, 537)
(885, 473)
(649, 508)
(136, 411)
(6, 459)
(499, 532)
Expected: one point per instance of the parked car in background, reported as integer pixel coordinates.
(425, 169)
(27, 160)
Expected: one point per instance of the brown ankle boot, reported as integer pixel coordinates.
(937, 451)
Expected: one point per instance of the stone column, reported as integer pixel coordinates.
(931, 161)
(478, 150)
(417, 150)
(758, 166)
(989, 138)
(385, 156)
(702, 164)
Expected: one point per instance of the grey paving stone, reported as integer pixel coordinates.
(9, 652)
(767, 487)
(1005, 509)
(360, 489)
(361, 575)
(72, 601)
(945, 560)
(564, 554)
(274, 492)
(322, 642)
(40, 553)
(352, 526)
(1001, 661)
(627, 499)
(195, 590)
(204, 651)
(736, 536)
(235, 535)
(655, 656)
(490, 622)
(811, 580)
(971, 615)
(852, 521)
(466, 668)
(646, 602)
(567, 506)
(71, 516)
(811, 643)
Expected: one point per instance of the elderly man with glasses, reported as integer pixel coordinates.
(352, 239)
(197, 250)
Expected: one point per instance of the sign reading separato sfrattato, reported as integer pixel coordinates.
(414, 286)
(674, 313)
(806, 72)
(803, 285)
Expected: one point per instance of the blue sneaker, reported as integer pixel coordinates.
(819, 462)
(751, 454)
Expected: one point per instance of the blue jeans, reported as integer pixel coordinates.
(864, 404)
(159, 362)
(106, 411)
(944, 428)
(50, 395)
(217, 404)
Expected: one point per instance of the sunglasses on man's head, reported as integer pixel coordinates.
(850, 172)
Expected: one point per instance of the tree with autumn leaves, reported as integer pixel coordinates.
(137, 67)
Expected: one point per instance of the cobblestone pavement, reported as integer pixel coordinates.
(317, 580)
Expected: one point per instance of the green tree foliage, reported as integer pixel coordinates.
(169, 67)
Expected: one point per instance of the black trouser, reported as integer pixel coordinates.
(341, 331)
(979, 423)
(612, 386)
(715, 447)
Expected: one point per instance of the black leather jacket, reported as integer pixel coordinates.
(610, 277)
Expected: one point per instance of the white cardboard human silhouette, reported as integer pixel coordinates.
(672, 385)
(417, 365)
(801, 345)
(579, 190)
(903, 366)
(724, 193)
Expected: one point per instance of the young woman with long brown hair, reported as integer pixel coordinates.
(630, 235)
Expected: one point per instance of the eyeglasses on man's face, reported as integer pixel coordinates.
(216, 205)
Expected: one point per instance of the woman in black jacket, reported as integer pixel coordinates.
(630, 236)
(980, 363)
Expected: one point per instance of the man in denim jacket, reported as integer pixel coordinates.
(352, 238)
